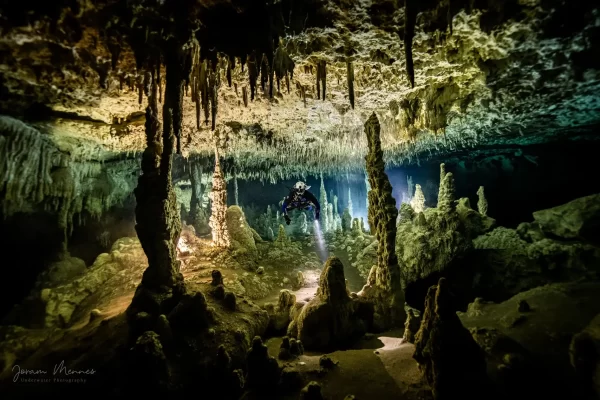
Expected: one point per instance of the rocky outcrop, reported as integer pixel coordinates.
(61, 302)
(536, 342)
(584, 353)
(445, 350)
(433, 243)
(331, 319)
(280, 314)
(576, 220)
(521, 259)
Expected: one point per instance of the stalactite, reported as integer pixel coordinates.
(410, 12)
(252, 74)
(245, 96)
(264, 71)
(203, 82)
(318, 79)
(195, 81)
(323, 76)
(178, 115)
(229, 75)
(350, 76)
(218, 197)
(159, 81)
(213, 90)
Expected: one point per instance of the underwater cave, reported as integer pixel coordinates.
(300, 200)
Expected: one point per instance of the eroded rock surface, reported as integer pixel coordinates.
(331, 318)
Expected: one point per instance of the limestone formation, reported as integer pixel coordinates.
(418, 201)
(578, 219)
(198, 217)
(149, 365)
(524, 258)
(157, 221)
(450, 358)
(240, 233)
(584, 354)
(406, 213)
(191, 314)
(312, 391)
(346, 220)
(447, 193)
(382, 220)
(331, 319)
(412, 324)
(482, 204)
(218, 218)
(263, 370)
(280, 313)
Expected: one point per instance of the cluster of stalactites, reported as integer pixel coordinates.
(205, 80)
(218, 197)
(280, 65)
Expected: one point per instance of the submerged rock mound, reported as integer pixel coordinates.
(527, 339)
(331, 319)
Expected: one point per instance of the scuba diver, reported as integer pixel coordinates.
(301, 199)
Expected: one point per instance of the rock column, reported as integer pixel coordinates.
(218, 218)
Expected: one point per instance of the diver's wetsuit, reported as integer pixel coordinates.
(305, 201)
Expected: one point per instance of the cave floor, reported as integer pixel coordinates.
(378, 367)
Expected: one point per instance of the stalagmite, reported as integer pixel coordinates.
(350, 76)
(323, 200)
(235, 189)
(418, 201)
(447, 193)
(482, 204)
(245, 96)
(448, 355)
(382, 215)
(350, 210)
(218, 196)
(410, 12)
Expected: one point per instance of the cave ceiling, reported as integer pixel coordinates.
(486, 73)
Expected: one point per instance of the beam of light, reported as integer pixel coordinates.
(321, 247)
